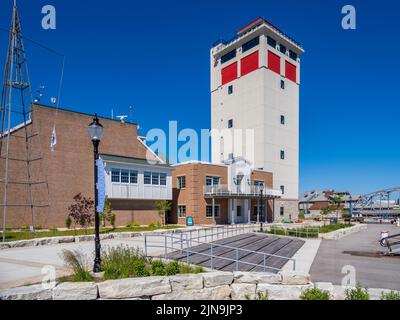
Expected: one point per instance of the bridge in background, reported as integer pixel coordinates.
(383, 203)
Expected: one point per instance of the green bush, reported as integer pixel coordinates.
(76, 261)
(172, 268)
(301, 216)
(392, 295)
(357, 293)
(123, 262)
(158, 268)
(315, 294)
(259, 296)
(68, 222)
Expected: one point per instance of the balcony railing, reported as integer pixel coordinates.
(253, 191)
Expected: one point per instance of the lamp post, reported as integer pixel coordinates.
(261, 199)
(96, 132)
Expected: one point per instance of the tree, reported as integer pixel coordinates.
(163, 206)
(337, 203)
(107, 213)
(82, 211)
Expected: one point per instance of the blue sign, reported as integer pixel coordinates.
(101, 185)
(189, 221)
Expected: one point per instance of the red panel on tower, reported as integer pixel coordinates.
(249, 63)
(229, 73)
(274, 62)
(290, 72)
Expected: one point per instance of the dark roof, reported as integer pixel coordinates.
(133, 160)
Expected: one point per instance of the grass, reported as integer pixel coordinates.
(307, 232)
(26, 235)
(357, 293)
(392, 295)
(124, 262)
(315, 294)
(77, 262)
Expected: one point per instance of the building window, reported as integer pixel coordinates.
(282, 48)
(155, 178)
(282, 155)
(271, 42)
(181, 211)
(290, 71)
(163, 179)
(249, 63)
(125, 176)
(274, 62)
(281, 211)
(228, 56)
(229, 73)
(283, 189)
(293, 55)
(212, 180)
(239, 211)
(282, 85)
(209, 212)
(115, 175)
(181, 182)
(250, 44)
(133, 176)
(230, 123)
(230, 89)
(147, 177)
(282, 119)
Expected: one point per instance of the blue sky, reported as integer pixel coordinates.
(154, 56)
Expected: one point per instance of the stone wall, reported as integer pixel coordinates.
(215, 285)
(337, 234)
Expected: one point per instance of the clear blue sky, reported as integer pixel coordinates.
(154, 55)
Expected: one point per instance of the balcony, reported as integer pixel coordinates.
(225, 191)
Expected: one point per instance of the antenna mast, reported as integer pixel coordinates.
(18, 169)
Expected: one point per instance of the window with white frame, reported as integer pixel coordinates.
(181, 182)
(155, 178)
(147, 177)
(163, 179)
(209, 212)
(115, 175)
(133, 176)
(124, 176)
(181, 211)
(212, 180)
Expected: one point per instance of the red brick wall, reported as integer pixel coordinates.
(69, 169)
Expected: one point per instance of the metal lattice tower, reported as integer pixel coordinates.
(19, 152)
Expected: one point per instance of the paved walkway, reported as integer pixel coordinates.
(371, 269)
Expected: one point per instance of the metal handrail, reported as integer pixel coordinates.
(189, 241)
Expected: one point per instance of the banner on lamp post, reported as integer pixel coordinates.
(101, 186)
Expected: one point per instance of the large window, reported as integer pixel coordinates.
(274, 62)
(181, 211)
(209, 212)
(147, 177)
(290, 71)
(181, 182)
(212, 180)
(155, 178)
(133, 176)
(228, 56)
(125, 176)
(250, 44)
(229, 73)
(293, 55)
(271, 42)
(115, 175)
(163, 179)
(249, 63)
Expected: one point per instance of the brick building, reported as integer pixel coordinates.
(226, 193)
(132, 183)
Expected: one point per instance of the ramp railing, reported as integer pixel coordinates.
(392, 243)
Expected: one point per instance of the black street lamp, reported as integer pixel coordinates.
(96, 132)
(262, 204)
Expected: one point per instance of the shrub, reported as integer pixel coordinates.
(68, 222)
(392, 295)
(123, 262)
(77, 262)
(136, 224)
(112, 218)
(185, 268)
(259, 296)
(315, 294)
(301, 216)
(158, 268)
(357, 293)
(82, 211)
(152, 225)
(172, 268)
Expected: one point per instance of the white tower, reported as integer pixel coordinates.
(255, 82)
